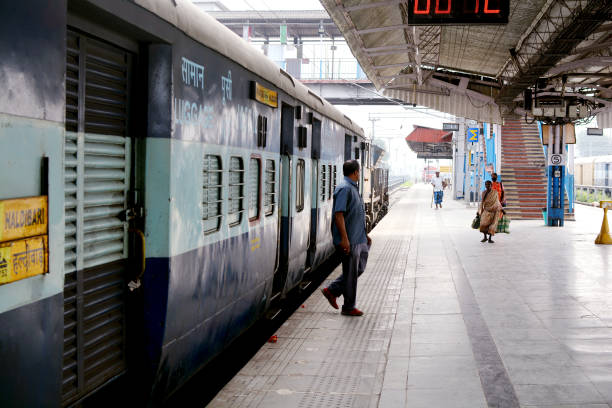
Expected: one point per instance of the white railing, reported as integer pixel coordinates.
(323, 69)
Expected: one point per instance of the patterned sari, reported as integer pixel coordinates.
(490, 211)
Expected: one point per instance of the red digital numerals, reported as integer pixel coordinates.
(443, 7)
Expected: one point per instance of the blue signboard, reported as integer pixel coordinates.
(473, 134)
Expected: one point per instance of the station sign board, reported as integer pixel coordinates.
(264, 95)
(23, 217)
(594, 132)
(24, 249)
(451, 127)
(472, 135)
(458, 12)
(23, 258)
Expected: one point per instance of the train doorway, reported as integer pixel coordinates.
(287, 136)
(99, 162)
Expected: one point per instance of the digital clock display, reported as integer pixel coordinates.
(456, 12)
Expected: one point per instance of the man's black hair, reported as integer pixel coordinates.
(349, 167)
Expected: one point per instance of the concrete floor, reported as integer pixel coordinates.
(450, 321)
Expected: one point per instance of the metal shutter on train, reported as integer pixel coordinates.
(97, 180)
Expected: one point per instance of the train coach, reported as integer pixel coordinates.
(162, 184)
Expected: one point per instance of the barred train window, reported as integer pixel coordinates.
(334, 177)
(254, 182)
(270, 193)
(236, 191)
(299, 185)
(211, 194)
(323, 182)
(331, 191)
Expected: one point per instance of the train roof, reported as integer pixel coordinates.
(203, 28)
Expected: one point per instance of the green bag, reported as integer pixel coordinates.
(476, 222)
(503, 225)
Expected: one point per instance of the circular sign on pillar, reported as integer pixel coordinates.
(556, 160)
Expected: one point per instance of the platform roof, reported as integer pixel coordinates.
(429, 143)
(468, 70)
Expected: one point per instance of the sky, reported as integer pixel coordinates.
(272, 4)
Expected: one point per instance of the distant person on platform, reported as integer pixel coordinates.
(490, 211)
(350, 239)
(438, 187)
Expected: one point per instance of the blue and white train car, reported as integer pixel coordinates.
(188, 184)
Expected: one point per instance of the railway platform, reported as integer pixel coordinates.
(450, 321)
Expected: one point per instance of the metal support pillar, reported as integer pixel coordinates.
(555, 200)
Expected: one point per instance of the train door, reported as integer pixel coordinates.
(286, 202)
(98, 179)
(314, 194)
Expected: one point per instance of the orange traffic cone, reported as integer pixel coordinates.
(604, 236)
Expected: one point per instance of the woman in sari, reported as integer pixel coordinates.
(490, 210)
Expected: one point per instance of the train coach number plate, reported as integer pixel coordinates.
(23, 258)
(23, 217)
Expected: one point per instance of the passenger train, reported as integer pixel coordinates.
(171, 184)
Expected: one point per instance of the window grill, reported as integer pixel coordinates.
(323, 182)
(270, 193)
(262, 131)
(254, 186)
(212, 202)
(331, 191)
(334, 177)
(236, 191)
(299, 184)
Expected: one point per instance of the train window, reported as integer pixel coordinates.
(300, 171)
(262, 131)
(323, 182)
(334, 177)
(270, 193)
(331, 191)
(236, 191)
(254, 185)
(211, 194)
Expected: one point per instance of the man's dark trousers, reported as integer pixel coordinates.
(353, 265)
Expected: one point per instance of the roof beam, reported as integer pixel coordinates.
(372, 5)
(382, 29)
(402, 47)
(560, 29)
(586, 62)
(398, 65)
(594, 47)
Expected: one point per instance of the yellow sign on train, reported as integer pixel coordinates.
(265, 95)
(23, 217)
(23, 258)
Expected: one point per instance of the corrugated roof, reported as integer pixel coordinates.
(424, 134)
(461, 69)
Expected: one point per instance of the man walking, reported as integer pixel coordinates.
(438, 187)
(350, 238)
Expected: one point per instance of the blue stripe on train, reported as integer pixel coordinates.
(199, 301)
(31, 354)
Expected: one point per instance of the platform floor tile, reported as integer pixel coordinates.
(450, 321)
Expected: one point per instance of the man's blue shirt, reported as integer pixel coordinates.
(348, 201)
